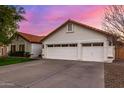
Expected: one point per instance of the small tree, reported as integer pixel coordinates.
(114, 23)
(10, 16)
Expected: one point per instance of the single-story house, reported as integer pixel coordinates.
(3, 50)
(27, 43)
(76, 41)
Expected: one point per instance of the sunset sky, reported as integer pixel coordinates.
(45, 18)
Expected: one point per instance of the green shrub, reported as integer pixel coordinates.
(27, 54)
(20, 54)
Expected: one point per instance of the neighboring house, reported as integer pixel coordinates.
(28, 43)
(77, 41)
(3, 50)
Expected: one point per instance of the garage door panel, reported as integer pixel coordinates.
(92, 53)
(62, 53)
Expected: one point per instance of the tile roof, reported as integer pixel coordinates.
(31, 38)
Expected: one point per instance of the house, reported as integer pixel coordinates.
(3, 50)
(76, 41)
(27, 43)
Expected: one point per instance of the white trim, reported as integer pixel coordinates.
(105, 51)
(79, 51)
(78, 41)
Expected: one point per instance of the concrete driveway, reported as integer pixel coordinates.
(53, 74)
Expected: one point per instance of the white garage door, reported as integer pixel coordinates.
(62, 51)
(92, 52)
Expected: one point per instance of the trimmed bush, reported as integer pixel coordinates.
(27, 54)
(20, 54)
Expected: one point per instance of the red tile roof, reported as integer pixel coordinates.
(31, 38)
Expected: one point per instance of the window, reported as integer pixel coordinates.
(70, 27)
(97, 44)
(86, 44)
(50, 45)
(22, 47)
(92, 44)
(73, 45)
(57, 45)
(2, 51)
(64, 45)
(13, 48)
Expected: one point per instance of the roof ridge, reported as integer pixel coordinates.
(30, 34)
(71, 20)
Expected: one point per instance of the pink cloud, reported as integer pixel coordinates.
(43, 19)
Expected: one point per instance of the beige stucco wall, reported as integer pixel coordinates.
(36, 50)
(80, 34)
(19, 40)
